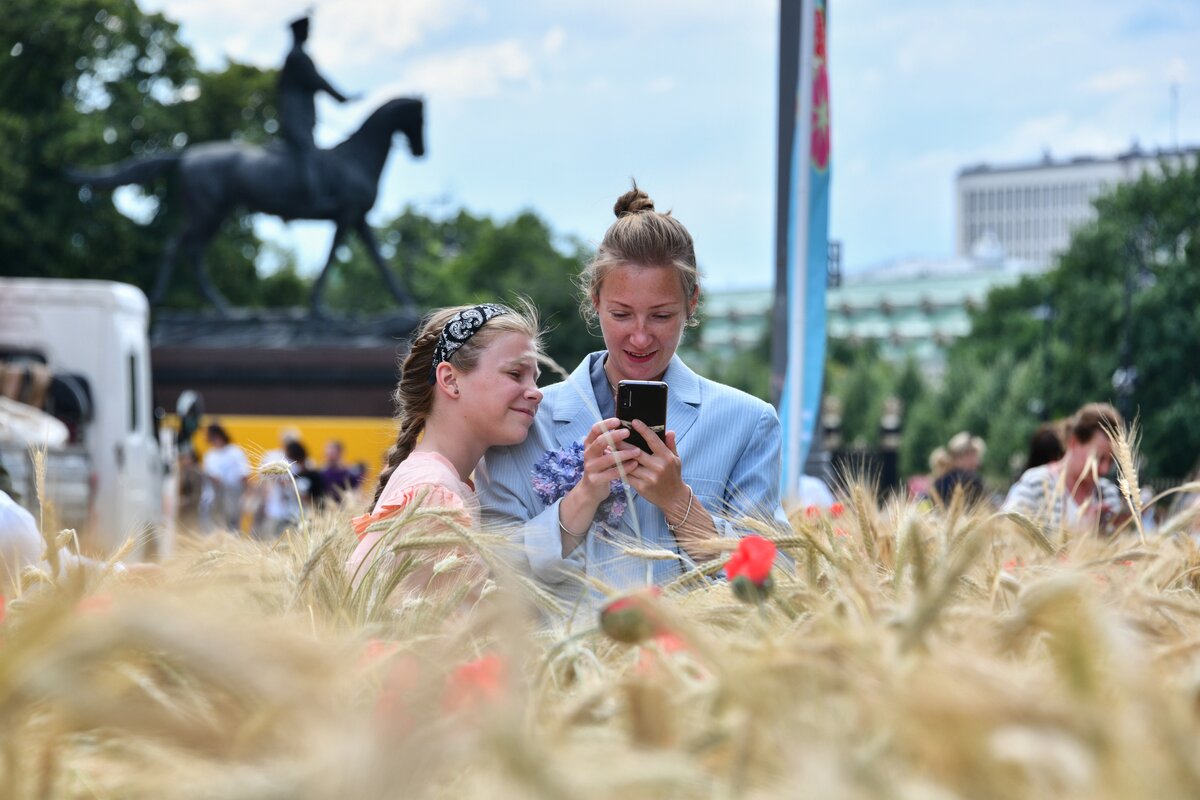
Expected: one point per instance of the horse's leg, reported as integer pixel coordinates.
(339, 236)
(368, 238)
(164, 271)
(195, 242)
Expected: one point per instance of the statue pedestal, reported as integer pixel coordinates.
(277, 328)
(280, 362)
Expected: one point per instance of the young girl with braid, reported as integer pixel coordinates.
(469, 382)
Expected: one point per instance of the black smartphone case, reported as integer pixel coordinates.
(644, 400)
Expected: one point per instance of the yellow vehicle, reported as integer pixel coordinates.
(365, 440)
(269, 373)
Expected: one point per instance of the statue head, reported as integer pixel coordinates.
(299, 28)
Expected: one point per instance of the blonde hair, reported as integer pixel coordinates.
(646, 237)
(964, 444)
(413, 395)
(939, 462)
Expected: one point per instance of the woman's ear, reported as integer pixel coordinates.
(694, 302)
(446, 379)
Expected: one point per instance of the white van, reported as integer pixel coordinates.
(92, 336)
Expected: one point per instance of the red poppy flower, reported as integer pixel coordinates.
(753, 559)
(400, 683)
(836, 510)
(376, 650)
(475, 683)
(648, 660)
(749, 569)
(633, 618)
(812, 512)
(95, 604)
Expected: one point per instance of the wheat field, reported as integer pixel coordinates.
(904, 653)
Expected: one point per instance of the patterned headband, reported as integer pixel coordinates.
(460, 329)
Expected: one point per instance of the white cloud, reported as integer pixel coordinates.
(346, 33)
(471, 72)
(1115, 81)
(671, 14)
(661, 85)
(1177, 70)
(1061, 133)
(554, 39)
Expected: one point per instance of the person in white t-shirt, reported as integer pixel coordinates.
(21, 546)
(275, 493)
(225, 470)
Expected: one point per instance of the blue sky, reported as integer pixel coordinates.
(552, 106)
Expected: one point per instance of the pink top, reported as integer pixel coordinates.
(424, 477)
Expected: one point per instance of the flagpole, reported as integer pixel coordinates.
(794, 282)
(789, 77)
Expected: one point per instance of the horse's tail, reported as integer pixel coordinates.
(131, 170)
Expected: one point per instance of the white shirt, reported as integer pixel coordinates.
(228, 464)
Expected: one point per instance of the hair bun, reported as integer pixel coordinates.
(633, 202)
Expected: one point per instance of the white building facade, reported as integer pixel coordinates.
(1030, 210)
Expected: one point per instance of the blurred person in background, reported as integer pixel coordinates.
(813, 491)
(22, 546)
(1072, 491)
(1045, 445)
(964, 453)
(336, 477)
(309, 487)
(225, 472)
(275, 498)
(920, 487)
(191, 488)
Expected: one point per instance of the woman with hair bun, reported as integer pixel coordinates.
(719, 459)
(469, 382)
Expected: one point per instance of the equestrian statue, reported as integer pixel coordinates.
(292, 178)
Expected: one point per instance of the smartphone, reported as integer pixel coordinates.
(644, 400)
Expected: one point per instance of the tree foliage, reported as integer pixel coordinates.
(93, 82)
(1052, 342)
(90, 82)
(465, 258)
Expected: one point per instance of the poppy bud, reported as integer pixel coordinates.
(633, 617)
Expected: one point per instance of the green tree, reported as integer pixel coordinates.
(1057, 338)
(470, 259)
(1145, 242)
(89, 82)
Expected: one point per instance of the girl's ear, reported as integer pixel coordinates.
(445, 379)
(693, 302)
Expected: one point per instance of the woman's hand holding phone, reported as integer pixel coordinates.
(604, 448)
(659, 475)
(606, 457)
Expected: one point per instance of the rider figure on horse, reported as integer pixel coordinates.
(299, 83)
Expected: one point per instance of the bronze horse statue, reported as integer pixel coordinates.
(216, 177)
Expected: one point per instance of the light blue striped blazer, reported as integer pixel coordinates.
(728, 441)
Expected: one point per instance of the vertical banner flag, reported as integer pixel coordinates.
(807, 246)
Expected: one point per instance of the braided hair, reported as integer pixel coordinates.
(413, 395)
